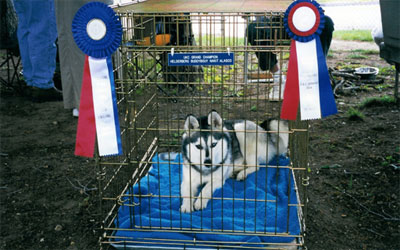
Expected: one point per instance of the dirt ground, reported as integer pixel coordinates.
(49, 198)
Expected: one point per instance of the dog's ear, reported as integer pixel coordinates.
(191, 123)
(214, 120)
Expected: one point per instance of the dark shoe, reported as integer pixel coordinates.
(45, 95)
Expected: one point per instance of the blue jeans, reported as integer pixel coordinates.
(37, 33)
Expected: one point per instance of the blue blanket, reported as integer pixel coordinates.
(247, 212)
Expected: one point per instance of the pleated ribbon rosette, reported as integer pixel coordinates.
(307, 82)
(97, 31)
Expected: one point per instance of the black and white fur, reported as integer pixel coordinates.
(214, 150)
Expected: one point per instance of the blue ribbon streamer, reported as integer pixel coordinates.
(115, 108)
(327, 101)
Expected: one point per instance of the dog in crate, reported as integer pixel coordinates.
(214, 149)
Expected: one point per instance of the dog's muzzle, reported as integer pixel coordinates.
(207, 163)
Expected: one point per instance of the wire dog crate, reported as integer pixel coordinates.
(141, 191)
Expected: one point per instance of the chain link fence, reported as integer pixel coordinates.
(353, 14)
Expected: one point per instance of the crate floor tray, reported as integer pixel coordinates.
(254, 213)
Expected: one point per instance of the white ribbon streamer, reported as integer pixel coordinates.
(308, 80)
(103, 106)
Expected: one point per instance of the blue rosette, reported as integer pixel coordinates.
(108, 25)
(311, 34)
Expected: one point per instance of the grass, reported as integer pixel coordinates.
(356, 56)
(348, 65)
(385, 71)
(286, 56)
(366, 51)
(215, 74)
(390, 160)
(382, 86)
(378, 101)
(353, 35)
(208, 40)
(361, 54)
(355, 115)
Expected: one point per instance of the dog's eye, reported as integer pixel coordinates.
(199, 147)
(214, 144)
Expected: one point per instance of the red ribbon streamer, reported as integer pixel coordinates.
(86, 132)
(291, 96)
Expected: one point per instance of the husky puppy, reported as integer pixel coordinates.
(214, 150)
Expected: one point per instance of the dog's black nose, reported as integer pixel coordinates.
(207, 162)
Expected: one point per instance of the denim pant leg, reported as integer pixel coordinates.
(37, 33)
(23, 11)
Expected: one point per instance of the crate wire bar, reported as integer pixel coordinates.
(154, 100)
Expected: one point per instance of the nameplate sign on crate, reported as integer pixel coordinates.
(200, 59)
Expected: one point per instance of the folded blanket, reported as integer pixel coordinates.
(260, 204)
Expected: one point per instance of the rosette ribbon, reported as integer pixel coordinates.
(97, 31)
(307, 82)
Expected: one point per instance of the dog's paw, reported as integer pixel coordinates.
(241, 175)
(186, 207)
(200, 204)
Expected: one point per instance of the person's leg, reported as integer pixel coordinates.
(326, 35)
(23, 8)
(257, 37)
(71, 57)
(268, 61)
(41, 38)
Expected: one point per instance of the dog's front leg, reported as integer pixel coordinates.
(187, 202)
(189, 187)
(207, 192)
